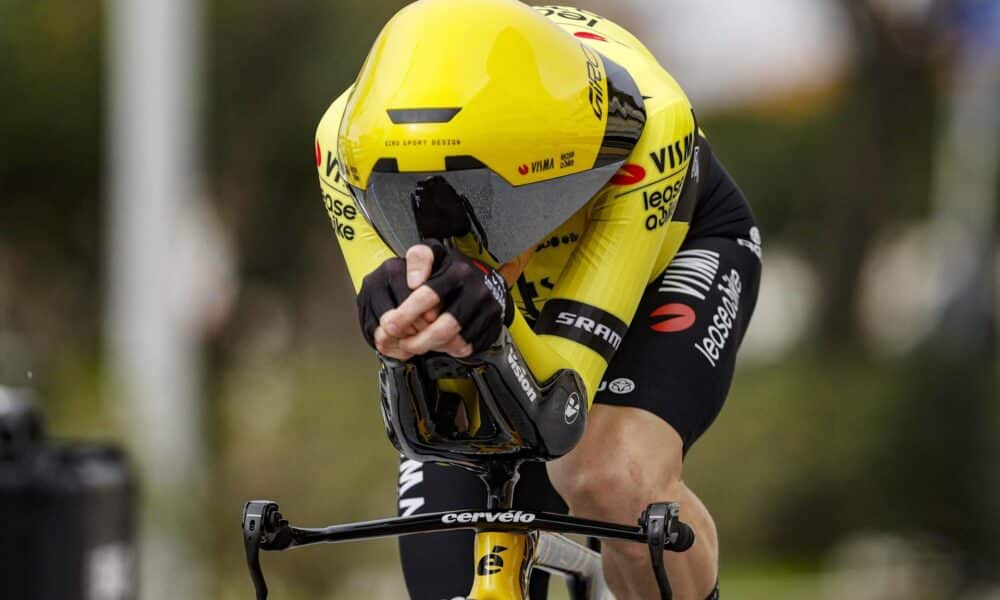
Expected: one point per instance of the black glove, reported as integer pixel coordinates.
(472, 292)
(381, 291)
(476, 295)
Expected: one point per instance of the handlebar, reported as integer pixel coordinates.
(264, 528)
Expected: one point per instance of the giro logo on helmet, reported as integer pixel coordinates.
(596, 78)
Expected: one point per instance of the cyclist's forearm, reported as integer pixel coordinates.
(546, 355)
(364, 251)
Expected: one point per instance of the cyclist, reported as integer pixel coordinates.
(583, 209)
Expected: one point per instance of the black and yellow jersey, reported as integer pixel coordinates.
(580, 286)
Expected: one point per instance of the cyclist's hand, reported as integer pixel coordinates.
(381, 291)
(416, 314)
(472, 298)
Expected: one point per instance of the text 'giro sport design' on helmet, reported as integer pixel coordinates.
(525, 122)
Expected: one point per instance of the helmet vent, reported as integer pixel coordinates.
(386, 165)
(402, 116)
(462, 163)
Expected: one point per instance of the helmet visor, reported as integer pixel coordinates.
(507, 219)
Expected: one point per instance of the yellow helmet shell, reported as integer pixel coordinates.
(482, 83)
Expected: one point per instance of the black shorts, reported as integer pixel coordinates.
(678, 357)
(676, 362)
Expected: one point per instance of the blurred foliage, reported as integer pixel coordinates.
(274, 69)
(50, 168)
(831, 441)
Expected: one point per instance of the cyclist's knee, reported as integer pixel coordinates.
(617, 486)
(626, 459)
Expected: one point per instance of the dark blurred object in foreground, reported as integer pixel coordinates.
(69, 509)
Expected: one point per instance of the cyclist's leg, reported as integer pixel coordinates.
(662, 391)
(440, 566)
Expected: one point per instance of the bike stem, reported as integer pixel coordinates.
(500, 478)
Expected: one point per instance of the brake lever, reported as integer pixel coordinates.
(665, 531)
(263, 527)
(654, 521)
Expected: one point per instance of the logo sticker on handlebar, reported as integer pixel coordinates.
(489, 517)
(572, 409)
(521, 374)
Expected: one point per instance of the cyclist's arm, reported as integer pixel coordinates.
(363, 249)
(589, 311)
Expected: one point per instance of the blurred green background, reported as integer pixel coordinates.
(857, 456)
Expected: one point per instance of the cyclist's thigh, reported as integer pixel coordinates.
(439, 566)
(678, 358)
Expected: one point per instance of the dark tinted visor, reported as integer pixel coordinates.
(508, 219)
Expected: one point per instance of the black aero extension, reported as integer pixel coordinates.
(264, 528)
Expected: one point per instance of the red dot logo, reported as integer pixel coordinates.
(523, 169)
(319, 155)
(587, 35)
(678, 318)
(629, 175)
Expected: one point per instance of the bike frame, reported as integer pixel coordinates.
(503, 565)
(504, 561)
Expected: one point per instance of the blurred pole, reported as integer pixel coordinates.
(153, 61)
(962, 348)
(966, 181)
(944, 451)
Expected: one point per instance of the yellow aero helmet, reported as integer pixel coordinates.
(483, 117)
